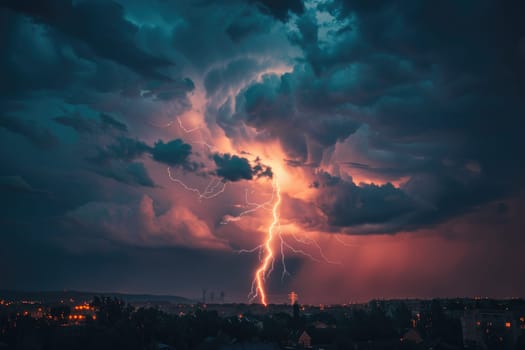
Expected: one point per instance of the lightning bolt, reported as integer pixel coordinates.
(267, 263)
(186, 131)
(276, 244)
(255, 207)
(211, 191)
(265, 250)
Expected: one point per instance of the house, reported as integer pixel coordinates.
(300, 338)
(322, 337)
(305, 340)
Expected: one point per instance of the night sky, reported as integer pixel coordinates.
(143, 144)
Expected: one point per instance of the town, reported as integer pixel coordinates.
(81, 321)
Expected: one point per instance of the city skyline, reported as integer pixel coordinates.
(343, 150)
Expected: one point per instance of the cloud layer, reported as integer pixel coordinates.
(381, 121)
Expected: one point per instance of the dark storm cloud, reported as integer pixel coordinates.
(231, 74)
(424, 201)
(261, 170)
(173, 153)
(425, 95)
(108, 122)
(26, 65)
(209, 34)
(79, 124)
(41, 61)
(116, 160)
(280, 9)
(112, 66)
(245, 25)
(123, 148)
(285, 107)
(408, 82)
(86, 125)
(131, 173)
(234, 168)
(94, 28)
(170, 91)
(37, 135)
(127, 149)
(346, 204)
(17, 184)
(139, 174)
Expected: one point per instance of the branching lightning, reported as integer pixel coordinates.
(211, 191)
(186, 130)
(215, 187)
(254, 207)
(346, 244)
(311, 241)
(267, 249)
(267, 262)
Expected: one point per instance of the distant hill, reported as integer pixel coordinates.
(57, 296)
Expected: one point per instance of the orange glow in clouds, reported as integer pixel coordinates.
(266, 263)
(294, 181)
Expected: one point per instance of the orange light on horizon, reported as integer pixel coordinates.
(508, 324)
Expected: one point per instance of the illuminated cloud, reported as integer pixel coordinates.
(384, 126)
(139, 224)
(347, 204)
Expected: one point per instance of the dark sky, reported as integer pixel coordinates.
(142, 145)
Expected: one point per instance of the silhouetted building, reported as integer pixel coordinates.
(305, 340)
(487, 328)
(413, 336)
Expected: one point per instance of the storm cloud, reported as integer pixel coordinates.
(234, 168)
(37, 135)
(377, 120)
(174, 152)
(95, 28)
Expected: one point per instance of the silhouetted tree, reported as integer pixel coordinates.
(296, 311)
(402, 317)
(110, 310)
